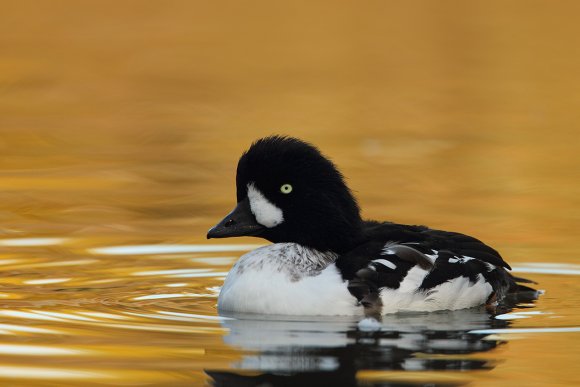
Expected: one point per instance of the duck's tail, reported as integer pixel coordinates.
(517, 287)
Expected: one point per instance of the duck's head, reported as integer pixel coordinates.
(287, 191)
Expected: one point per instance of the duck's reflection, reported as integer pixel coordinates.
(289, 351)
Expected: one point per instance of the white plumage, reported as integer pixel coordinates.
(289, 279)
(441, 297)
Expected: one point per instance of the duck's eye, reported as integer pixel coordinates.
(286, 188)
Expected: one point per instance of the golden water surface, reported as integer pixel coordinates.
(120, 127)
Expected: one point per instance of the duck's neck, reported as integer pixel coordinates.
(337, 235)
(338, 241)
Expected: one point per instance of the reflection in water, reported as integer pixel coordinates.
(288, 351)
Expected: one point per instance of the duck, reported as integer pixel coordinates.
(325, 260)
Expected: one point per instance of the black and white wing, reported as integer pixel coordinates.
(416, 268)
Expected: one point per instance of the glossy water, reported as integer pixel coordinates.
(120, 127)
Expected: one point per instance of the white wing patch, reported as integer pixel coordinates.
(461, 259)
(386, 263)
(266, 213)
(457, 293)
(489, 266)
(433, 256)
(413, 280)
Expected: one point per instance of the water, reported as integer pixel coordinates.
(120, 128)
(145, 315)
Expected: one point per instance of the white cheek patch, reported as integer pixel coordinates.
(266, 213)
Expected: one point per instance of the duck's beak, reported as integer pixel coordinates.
(239, 222)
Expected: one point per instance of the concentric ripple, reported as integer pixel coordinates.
(101, 307)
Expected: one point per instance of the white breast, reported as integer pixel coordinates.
(288, 279)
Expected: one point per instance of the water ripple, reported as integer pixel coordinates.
(169, 249)
(548, 268)
(26, 242)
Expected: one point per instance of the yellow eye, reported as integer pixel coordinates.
(286, 188)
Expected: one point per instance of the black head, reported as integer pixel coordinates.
(287, 191)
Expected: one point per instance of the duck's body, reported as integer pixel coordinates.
(290, 279)
(326, 260)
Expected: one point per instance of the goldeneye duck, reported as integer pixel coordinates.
(326, 260)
